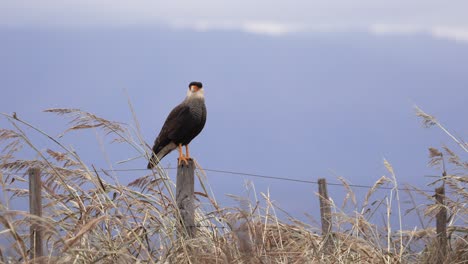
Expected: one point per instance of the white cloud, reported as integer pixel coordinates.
(385, 29)
(457, 34)
(444, 32)
(256, 27)
(270, 28)
(273, 28)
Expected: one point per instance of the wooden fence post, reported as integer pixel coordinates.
(441, 224)
(35, 208)
(325, 214)
(184, 196)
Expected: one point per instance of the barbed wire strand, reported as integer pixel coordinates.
(273, 178)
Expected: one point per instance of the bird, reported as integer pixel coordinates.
(182, 125)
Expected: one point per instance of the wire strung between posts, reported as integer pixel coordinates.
(275, 178)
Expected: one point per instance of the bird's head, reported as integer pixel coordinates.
(195, 90)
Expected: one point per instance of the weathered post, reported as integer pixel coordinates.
(441, 223)
(185, 196)
(35, 208)
(325, 214)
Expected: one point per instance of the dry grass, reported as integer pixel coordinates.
(89, 217)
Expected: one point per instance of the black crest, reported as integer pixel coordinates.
(197, 84)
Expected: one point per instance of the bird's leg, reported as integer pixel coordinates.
(187, 153)
(182, 158)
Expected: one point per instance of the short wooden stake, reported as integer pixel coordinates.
(441, 223)
(325, 214)
(35, 208)
(185, 196)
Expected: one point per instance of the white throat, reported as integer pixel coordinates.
(191, 94)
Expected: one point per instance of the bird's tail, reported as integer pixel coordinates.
(152, 162)
(160, 152)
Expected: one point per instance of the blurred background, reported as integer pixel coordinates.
(297, 89)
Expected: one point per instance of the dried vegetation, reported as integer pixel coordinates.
(89, 217)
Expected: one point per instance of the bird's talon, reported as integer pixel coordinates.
(183, 159)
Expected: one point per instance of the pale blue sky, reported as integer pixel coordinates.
(300, 91)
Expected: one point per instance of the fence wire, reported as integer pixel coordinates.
(263, 176)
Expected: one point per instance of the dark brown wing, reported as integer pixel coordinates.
(169, 132)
